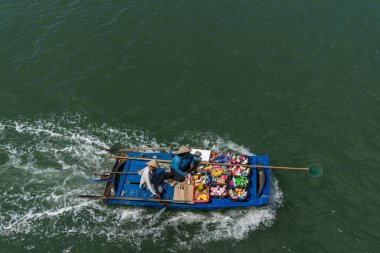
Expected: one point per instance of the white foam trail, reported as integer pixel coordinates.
(49, 162)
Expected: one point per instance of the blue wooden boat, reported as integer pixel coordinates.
(123, 186)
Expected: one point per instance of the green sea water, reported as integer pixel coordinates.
(297, 80)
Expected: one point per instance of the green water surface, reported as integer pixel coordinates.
(298, 80)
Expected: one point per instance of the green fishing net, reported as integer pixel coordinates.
(315, 170)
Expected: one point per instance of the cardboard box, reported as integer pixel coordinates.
(183, 192)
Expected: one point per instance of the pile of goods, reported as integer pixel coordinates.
(219, 191)
(239, 159)
(240, 171)
(238, 182)
(213, 170)
(213, 174)
(238, 194)
(221, 181)
(219, 158)
(216, 171)
(201, 194)
(201, 179)
(228, 158)
(201, 191)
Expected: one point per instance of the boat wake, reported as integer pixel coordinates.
(45, 164)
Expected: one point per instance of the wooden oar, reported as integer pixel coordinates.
(136, 149)
(137, 158)
(135, 199)
(118, 173)
(125, 149)
(314, 170)
(97, 180)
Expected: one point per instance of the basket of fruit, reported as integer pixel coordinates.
(237, 194)
(216, 171)
(201, 194)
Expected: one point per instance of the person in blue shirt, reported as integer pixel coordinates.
(181, 164)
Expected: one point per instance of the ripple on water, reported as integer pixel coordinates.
(57, 156)
(3, 158)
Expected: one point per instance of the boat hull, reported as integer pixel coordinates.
(127, 186)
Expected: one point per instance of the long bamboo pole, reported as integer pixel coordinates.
(221, 164)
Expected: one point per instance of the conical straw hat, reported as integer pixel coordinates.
(153, 163)
(183, 149)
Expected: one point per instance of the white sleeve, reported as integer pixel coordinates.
(143, 175)
(149, 184)
(140, 172)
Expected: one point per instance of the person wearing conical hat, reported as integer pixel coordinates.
(153, 164)
(146, 178)
(182, 163)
